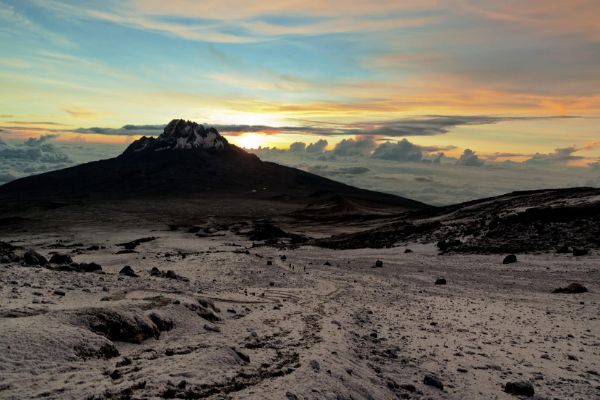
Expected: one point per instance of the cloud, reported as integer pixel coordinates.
(400, 151)
(32, 156)
(421, 126)
(359, 146)
(298, 147)
(469, 158)
(125, 130)
(80, 113)
(317, 147)
(561, 154)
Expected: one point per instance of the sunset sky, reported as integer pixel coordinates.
(510, 80)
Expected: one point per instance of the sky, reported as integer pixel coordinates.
(463, 93)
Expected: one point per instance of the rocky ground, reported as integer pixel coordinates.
(237, 320)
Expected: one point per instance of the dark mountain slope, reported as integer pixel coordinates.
(187, 159)
(537, 220)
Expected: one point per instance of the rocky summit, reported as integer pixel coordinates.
(180, 134)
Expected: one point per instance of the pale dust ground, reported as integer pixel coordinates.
(344, 331)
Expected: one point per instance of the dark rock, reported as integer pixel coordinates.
(106, 351)
(291, 396)
(440, 281)
(118, 326)
(32, 257)
(409, 387)
(432, 380)
(212, 328)
(378, 264)
(271, 234)
(208, 303)
(59, 293)
(571, 289)
(509, 259)
(519, 388)
(116, 374)
(58, 258)
(579, 252)
(87, 267)
(94, 247)
(135, 243)
(245, 358)
(128, 271)
(161, 322)
(170, 274)
(408, 251)
(124, 362)
(314, 364)
(327, 263)
(7, 253)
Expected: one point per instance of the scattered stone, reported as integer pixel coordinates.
(87, 267)
(314, 364)
(519, 388)
(327, 263)
(509, 259)
(212, 328)
(128, 271)
(161, 322)
(571, 289)
(116, 374)
(378, 264)
(58, 258)
(291, 396)
(408, 251)
(440, 281)
(409, 387)
(59, 292)
(432, 380)
(245, 358)
(7, 253)
(32, 257)
(124, 362)
(170, 274)
(135, 243)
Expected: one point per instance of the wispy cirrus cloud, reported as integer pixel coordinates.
(418, 126)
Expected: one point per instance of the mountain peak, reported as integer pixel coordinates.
(180, 134)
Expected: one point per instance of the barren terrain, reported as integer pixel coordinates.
(239, 320)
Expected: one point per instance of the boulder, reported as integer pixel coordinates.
(571, 289)
(440, 281)
(519, 388)
(509, 259)
(32, 257)
(58, 258)
(128, 271)
(434, 381)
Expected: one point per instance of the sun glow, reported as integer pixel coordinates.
(248, 140)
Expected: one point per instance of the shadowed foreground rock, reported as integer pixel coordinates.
(573, 288)
(519, 388)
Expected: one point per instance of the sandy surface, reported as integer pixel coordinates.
(297, 328)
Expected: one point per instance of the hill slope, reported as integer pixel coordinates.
(186, 159)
